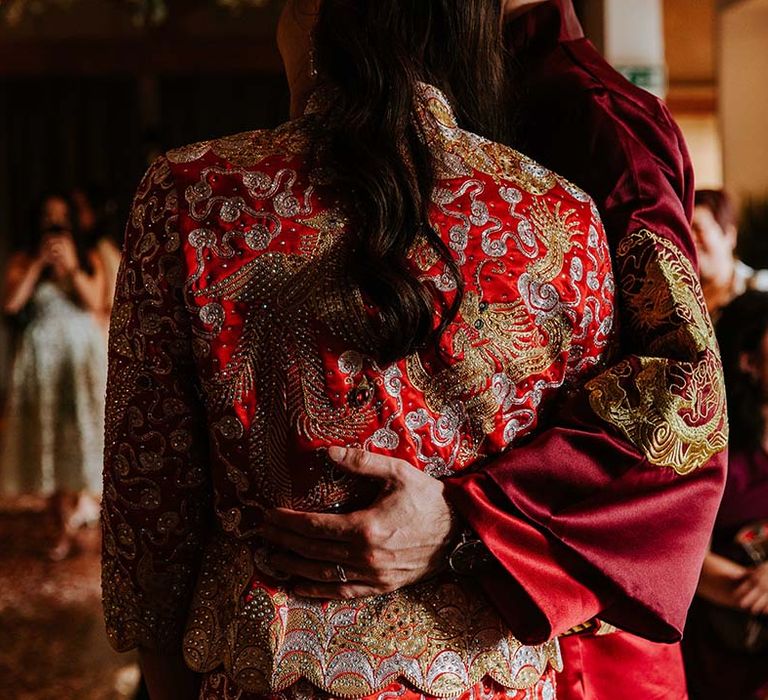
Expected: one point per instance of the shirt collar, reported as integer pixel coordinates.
(433, 106)
(544, 26)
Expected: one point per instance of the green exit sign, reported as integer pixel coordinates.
(651, 78)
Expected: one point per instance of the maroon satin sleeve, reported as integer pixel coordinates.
(541, 592)
(582, 527)
(623, 487)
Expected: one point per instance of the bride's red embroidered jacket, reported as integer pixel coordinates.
(239, 352)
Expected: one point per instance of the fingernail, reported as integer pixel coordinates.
(337, 454)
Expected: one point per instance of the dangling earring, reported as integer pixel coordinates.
(312, 65)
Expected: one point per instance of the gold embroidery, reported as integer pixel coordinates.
(442, 635)
(604, 629)
(276, 357)
(671, 405)
(452, 637)
(494, 337)
(269, 395)
(150, 535)
(461, 151)
(556, 230)
(505, 333)
(190, 153)
(248, 148)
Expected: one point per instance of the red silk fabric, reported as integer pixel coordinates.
(622, 666)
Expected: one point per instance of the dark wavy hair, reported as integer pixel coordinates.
(370, 56)
(740, 329)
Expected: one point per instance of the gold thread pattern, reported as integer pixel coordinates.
(156, 491)
(669, 399)
(240, 352)
(450, 636)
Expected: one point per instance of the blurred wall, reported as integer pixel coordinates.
(702, 134)
(743, 65)
(633, 33)
(87, 97)
(675, 42)
(691, 55)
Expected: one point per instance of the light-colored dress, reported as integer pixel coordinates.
(110, 255)
(53, 438)
(745, 278)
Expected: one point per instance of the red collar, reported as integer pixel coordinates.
(545, 25)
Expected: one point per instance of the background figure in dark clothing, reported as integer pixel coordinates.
(723, 275)
(99, 222)
(726, 638)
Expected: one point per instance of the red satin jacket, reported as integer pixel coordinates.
(613, 504)
(239, 352)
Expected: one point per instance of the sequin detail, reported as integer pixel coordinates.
(240, 332)
(673, 411)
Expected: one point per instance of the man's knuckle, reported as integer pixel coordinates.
(400, 469)
(313, 525)
(382, 579)
(387, 561)
(368, 532)
(371, 559)
(387, 585)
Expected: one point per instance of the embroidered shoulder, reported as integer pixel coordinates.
(250, 147)
(188, 154)
(464, 152)
(460, 152)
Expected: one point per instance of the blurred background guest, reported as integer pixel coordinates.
(99, 223)
(723, 275)
(55, 289)
(726, 637)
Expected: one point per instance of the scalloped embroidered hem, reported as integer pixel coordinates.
(445, 679)
(355, 674)
(217, 686)
(440, 636)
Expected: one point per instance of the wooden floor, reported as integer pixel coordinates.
(52, 640)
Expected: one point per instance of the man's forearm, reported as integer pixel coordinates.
(720, 577)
